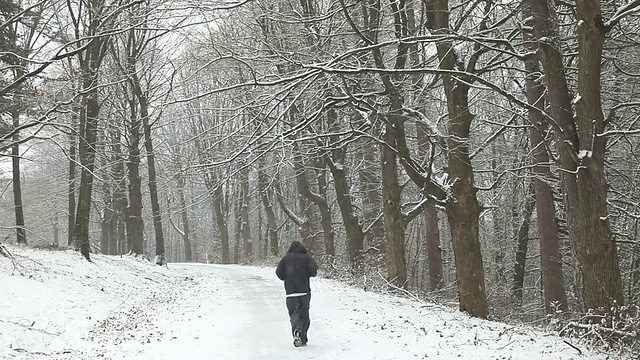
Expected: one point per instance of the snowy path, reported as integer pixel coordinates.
(232, 312)
(63, 307)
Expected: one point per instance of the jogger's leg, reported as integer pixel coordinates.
(297, 323)
(306, 320)
(294, 315)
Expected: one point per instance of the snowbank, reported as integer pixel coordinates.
(50, 299)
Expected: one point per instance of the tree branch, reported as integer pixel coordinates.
(622, 11)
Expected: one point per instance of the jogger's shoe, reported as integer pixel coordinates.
(297, 341)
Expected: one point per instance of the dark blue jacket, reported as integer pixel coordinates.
(295, 268)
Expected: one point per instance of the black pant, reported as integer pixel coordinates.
(299, 314)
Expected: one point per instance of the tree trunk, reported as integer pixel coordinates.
(432, 236)
(319, 199)
(72, 184)
(88, 139)
(434, 251)
(244, 212)
(335, 162)
(393, 219)
(15, 57)
(105, 218)
(634, 283)
(325, 216)
(238, 223)
(134, 223)
(56, 231)
(522, 241)
(186, 230)
(151, 165)
(596, 246)
(266, 193)
(119, 214)
(582, 152)
(304, 207)
(371, 202)
(550, 256)
(219, 208)
(90, 61)
(463, 212)
(21, 234)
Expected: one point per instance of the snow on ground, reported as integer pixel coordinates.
(63, 307)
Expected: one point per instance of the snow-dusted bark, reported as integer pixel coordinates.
(597, 269)
(464, 209)
(550, 256)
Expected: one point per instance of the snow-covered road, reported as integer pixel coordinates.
(234, 312)
(63, 307)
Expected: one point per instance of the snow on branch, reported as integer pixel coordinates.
(17, 267)
(176, 227)
(423, 119)
(622, 11)
(4, 251)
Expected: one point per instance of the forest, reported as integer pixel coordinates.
(480, 153)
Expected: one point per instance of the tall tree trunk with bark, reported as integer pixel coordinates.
(56, 231)
(238, 223)
(432, 231)
(220, 210)
(550, 256)
(21, 234)
(319, 199)
(266, 193)
(134, 223)
(464, 211)
(393, 219)
(336, 163)
(522, 241)
(304, 206)
(186, 229)
(107, 211)
(87, 153)
(14, 55)
(90, 61)
(371, 200)
(325, 214)
(582, 151)
(151, 165)
(119, 215)
(72, 183)
(244, 212)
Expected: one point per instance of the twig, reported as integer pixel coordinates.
(30, 327)
(4, 251)
(575, 347)
(16, 265)
(405, 291)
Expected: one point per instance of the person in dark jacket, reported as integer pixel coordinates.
(295, 268)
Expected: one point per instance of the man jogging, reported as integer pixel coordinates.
(295, 268)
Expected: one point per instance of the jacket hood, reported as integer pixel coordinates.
(297, 247)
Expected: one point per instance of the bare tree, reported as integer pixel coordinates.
(551, 258)
(90, 61)
(582, 148)
(432, 237)
(244, 213)
(182, 203)
(268, 199)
